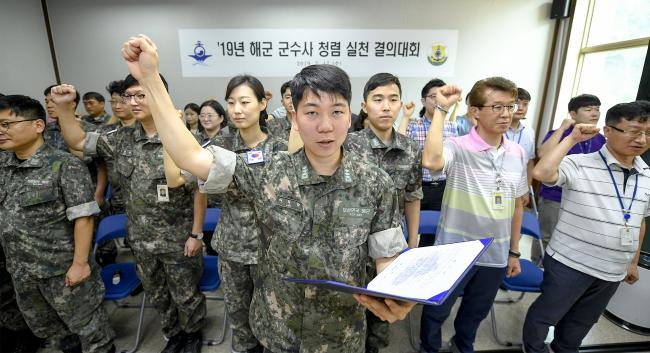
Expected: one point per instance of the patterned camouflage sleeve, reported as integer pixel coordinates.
(414, 185)
(77, 189)
(97, 144)
(386, 237)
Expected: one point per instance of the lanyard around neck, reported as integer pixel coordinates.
(626, 213)
(521, 132)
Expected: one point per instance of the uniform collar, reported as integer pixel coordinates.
(239, 144)
(398, 141)
(141, 135)
(344, 176)
(35, 161)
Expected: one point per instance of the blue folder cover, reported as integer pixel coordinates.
(436, 300)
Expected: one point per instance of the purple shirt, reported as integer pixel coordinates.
(594, 144)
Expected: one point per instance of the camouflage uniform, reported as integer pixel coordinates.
(51, 189)
(96, 121)
(236, 241)
(117, 197)
(157, 231)
(313, 227)
(402, 160)
(280, 127)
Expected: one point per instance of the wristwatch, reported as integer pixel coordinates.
(197, 236)
(514, 254)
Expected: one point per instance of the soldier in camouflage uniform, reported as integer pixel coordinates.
(400, 157)
(58, 291)
(280, 126)
(236, 236)
(322, 211)
(163, 230)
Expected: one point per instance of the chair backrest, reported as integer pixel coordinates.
(428, 222)
(530, 226)
(111, 227)
(212, 216)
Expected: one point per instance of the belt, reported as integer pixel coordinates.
(434, 183)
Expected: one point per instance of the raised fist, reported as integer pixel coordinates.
(567, 123)
(583, 132)
(408, 109)
(448, 95)
(141, 55)
(63, 94)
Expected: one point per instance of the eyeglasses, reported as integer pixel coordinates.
(6, 124)
(633, 134)
(498, 108)
(139, 97)
(208, 116)
(431, 96)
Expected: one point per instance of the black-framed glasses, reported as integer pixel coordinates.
(631, 133)
(139, 97)
(6, 124)
(498, 108)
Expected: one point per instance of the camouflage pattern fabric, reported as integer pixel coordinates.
(10, 316)
(237, 285)
(280, 127)
(314, 227)
(171, 283)
(51, 189)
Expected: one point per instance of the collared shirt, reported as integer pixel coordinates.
(524, 137)
(418, 130)
(313, 227)
(153, 226)
(401, 159)
(237, 234)
(554, 193)
(39, 200)
(467, 212)
(587, 236)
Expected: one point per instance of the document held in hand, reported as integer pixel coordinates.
(423, 275)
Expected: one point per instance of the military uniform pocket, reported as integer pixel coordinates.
(125, 168)
(41, 195)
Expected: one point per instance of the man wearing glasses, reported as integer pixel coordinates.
(486, 183)
(46, 230)
(597, 240)
(164, 231)
(583, 109)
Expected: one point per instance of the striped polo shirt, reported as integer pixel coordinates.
(467, 213)
(587, 236)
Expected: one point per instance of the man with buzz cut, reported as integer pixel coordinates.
(400, 157)
(164, 233)
(322, 211)
(46, 230)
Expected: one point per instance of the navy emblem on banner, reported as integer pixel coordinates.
(199, 53)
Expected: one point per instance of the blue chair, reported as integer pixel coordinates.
(113, 227)
(210, 281)
(528, 281)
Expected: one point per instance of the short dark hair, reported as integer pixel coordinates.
(24, 106)
(477, 96)
(320, 78)
(435, 82)
(93, 95)
(583, 100)
(645, 107)
(625, 111)
(254, 84)
(522, 94)
(77, 97)
(284, 87)
(115, 87)
(379, 80)
(217, 108)
(130, 81)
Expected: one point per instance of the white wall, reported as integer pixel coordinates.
(25, 60)
(496, 37)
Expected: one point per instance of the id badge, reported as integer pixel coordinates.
(163, 193)
(626, 236)
(497, 201)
